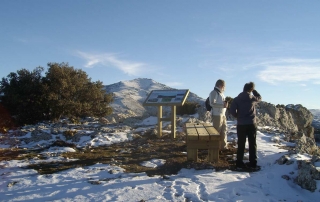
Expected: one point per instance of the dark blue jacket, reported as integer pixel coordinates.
(243, 107)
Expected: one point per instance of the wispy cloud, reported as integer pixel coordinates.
(290, 70)
(111, 60)
(173, 84)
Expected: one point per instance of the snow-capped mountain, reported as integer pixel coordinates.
(130, 95)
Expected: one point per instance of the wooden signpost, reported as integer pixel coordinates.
(171, 98)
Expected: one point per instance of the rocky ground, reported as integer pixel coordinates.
(128, 155)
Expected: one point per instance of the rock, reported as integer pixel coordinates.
(306, 175)
(154, 132)
(307, 145)
(291, 118)
(204, 115)
(12, 183)
(167, 127)
(301, 115)
(283, 159)
(295, 120)
(286, 177)
(103, 120)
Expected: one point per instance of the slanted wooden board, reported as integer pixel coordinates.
(203, 131)
(171, 98)
(192, 133)
(213, 133)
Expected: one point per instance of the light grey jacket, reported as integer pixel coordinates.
(216, 99)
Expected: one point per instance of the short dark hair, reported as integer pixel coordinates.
(220, 82)
(248, 87)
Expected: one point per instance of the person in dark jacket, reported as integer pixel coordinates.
(243, 108)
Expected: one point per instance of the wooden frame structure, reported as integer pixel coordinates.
(171, 98)
(202, 136)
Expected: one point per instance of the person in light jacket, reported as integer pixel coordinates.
(243, 108)
(218, 111)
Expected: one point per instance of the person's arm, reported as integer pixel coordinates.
(233, 108)
(256, 96)
(213, 100)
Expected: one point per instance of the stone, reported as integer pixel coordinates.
(307, 145)
(283, 159)
(307, 174)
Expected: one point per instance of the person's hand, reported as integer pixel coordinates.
(255, 93)
(225, 104)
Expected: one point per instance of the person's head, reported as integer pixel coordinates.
(248, 87)
(221, 84)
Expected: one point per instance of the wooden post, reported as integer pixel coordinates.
(213, 154)
(171, 98)
(192, 154)
(202, 136)
(159, 121)
(173, 122)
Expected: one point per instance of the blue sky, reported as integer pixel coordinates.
(181, 43)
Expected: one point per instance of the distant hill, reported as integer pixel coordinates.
(130, 95)
(316, 119)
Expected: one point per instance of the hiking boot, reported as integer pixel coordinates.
(241, 166)
(252, 166)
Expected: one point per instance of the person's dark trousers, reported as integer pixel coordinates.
(244, 131)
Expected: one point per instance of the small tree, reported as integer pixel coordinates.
(23, 95)
(71, 93)
(5, 120)
(29, 97)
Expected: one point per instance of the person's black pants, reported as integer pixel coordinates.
(244, 131)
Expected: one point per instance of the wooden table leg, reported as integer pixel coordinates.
(213, 154)
(192, 154)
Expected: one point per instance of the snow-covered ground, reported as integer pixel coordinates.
(103, 182)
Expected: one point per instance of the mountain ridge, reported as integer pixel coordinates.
(129, 96)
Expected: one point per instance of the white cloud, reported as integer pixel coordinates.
(111, 60)
(173, 84)
(290, 70)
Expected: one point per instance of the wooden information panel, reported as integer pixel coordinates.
(171, 98)
(166, 97)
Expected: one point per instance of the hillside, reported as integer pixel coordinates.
(130, 95)
(316, 118)
(96, 160)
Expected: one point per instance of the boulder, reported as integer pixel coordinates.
(290, 118)
(307, 145)
(307, 175)
(204, 115)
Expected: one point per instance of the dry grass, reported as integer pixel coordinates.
(128, 155)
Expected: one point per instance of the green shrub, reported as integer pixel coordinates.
(23, 95)
(69, 134)
(64, 91)
(71, 93)
(187, 108)
(229, 100)
(5, 120)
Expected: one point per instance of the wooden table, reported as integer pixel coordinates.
(202, 136)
